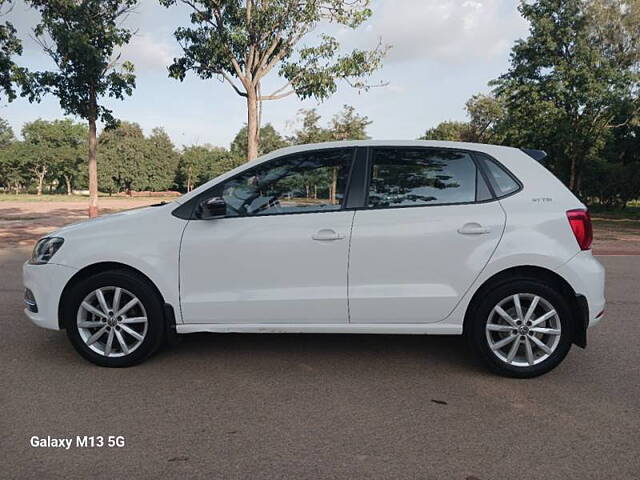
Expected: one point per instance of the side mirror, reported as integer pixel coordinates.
(211, 208)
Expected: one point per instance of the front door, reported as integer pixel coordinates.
(280, 254)
(428, 229)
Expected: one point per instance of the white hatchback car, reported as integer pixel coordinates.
(369, 237)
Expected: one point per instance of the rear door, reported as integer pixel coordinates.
(428, 228)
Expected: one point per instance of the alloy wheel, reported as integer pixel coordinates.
(523, 330)
(112, 321)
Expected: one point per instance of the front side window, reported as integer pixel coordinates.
(299, 183)
(413, 177)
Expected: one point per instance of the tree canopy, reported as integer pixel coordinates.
(10, 46)
(345, 125)
(242, 41)
(568, 76)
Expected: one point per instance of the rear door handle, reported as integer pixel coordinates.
(327, 235)
(473, 229)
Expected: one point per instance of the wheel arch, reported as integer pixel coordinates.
(100, 267)
(577, 303)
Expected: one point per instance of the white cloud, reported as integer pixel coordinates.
(451, 31)
(148, 53)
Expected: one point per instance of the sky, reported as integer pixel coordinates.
(442, 52)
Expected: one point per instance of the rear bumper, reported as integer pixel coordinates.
(46, 283)
(586, 276)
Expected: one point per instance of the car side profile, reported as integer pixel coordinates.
(407, 237)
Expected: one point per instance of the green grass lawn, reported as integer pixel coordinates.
(631, 212)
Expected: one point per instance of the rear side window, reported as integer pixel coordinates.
(503, 181)
(413, 177)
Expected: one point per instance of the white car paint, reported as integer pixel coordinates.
(266, 270)
(253, 274)
(422, 263)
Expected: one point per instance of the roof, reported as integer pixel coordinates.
(480, 147)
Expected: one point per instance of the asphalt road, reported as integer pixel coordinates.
(322, 406)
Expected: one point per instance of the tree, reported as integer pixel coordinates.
(123, 156)
(7, 156)
(200, 163)
(242, 41)
(349, 125)
(567, 77)
(81, 37)
(613, 178)
(10, 46)
(162, 161)
(6, 134)
(13, 166)
(38, 152)
(220, 161)
(192, 165)
(58, 146)
(485, 114)
(310, 131)
(270, 140)
(449, 131)
(345, 125)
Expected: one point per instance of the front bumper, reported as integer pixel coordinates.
(586, 276)
(46, 283)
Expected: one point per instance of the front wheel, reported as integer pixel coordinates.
(521, 329)
(114, 319)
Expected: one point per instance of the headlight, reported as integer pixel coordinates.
(45, 249)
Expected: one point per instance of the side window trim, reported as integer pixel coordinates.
(358, 187)
(187, 210)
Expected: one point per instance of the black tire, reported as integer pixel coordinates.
(481, 309)
(139, 287)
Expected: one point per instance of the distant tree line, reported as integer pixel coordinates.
(51, 157)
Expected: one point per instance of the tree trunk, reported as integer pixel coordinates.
(93, 165)
(67, 179)
(334, 184)
(572, 175)
(253, 138)
(41, 174)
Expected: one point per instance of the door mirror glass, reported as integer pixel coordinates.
(211, 208)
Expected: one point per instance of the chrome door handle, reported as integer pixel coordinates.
(327, 235)
(473, 229)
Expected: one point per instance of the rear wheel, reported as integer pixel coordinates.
(114, 319)
(521, 329)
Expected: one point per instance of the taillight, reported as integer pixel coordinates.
(580, 222)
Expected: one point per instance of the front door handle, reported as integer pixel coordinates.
(473, 229)
(327, 235)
